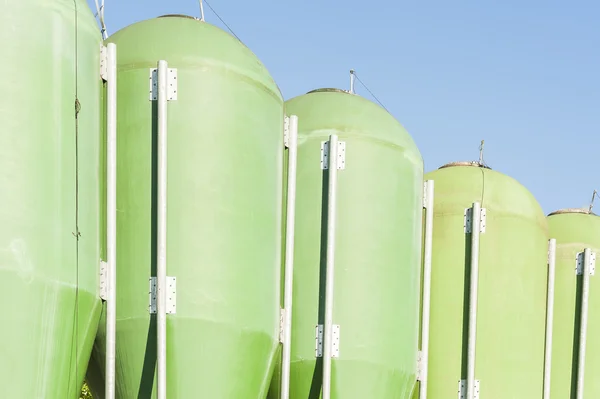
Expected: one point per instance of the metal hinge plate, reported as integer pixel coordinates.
(171, 295)
(286, 131)
(341, 161)
(468, 220)
(103, 280)
(579, 263)
(335, 345)
(281, 325)
(171, 84)
(103, 63)
(462, 389)
(421, 366)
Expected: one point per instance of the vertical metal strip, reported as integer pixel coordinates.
(429, 193)
(473, 293)
(161, 268)
(111, 222)
(584, 322)
(289, 256)
(330, 272)
(549, 317)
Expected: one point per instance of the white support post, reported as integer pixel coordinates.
(428, 204)
(111, 219)
(474, 285)
(549, 317)
(585, 295)
(161, 268)
(330, 271)
(289, 255)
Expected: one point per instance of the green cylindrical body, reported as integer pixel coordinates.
(512, 285)
(377, 260)
(574, 230)
(225, 146)
(50, 194)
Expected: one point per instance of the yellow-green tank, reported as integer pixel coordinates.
(574, 231)
(377, 259)
(512, 285)
(224, 222)
(50, 195)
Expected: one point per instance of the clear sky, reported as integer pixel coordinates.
(521, 74)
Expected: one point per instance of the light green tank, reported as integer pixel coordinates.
(225, 182)
(379, 218)
(512, 289)
(574, 230)
(50, 218)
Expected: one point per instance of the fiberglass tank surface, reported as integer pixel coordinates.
(379, 218)
(225, 178)
(50, 218)
(574, 230)
(512, 282)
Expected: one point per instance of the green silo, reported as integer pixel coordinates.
(50, 190)
(224, 207)
(511, 286)
(574, 231)
(377, 250)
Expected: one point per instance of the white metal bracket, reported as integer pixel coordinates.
(103, 63)
(468, 220)
(579, 263)
(424, 194)
(421, 366)
(462, 389)
(171, 295)
(171, 84)
(286, 131)
(103, 280)
(341, 155)
(335, 344)
(281, 325)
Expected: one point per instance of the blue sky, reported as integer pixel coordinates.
(522, 75)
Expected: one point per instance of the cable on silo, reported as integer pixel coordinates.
(369, 90)
(221, 19)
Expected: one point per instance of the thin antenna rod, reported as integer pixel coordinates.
(100, 15)
(201, 11)
(592, 201)
(352, 81)
(481, 152)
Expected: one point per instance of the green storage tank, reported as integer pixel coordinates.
(224, 226)
(574, 231)
(377, 260)
(511, 300)
(50, 218)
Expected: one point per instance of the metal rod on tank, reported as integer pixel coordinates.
(330, 272)
(584, 322)
(592, 201)
(161, 264)
(289, 257)
(111, 220)
(100, 14)
(474, 285)
(549, 316)
(429, 193)
(201, 10)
